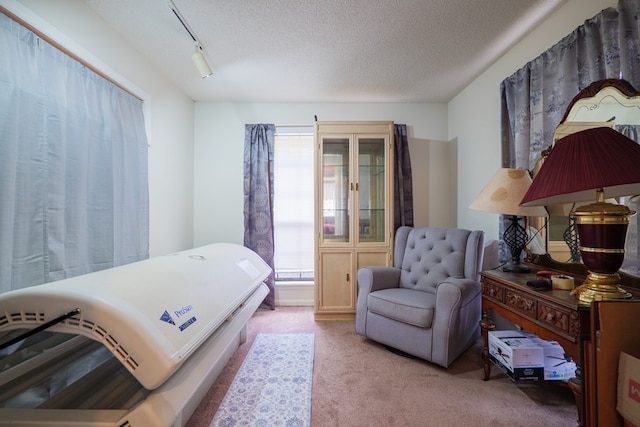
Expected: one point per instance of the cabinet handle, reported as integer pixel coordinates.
(351, 186)
(347, 277)
(357, 186)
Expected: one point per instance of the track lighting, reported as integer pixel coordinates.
(197, 57)
(201, 63)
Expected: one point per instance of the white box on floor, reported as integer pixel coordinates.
(517, 354)
(556, 365)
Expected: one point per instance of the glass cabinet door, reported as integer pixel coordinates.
(371, 189)
(335, 189)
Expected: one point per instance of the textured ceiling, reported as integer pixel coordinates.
(326, 50)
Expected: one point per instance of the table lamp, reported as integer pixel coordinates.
(502, 195)
(584, 166)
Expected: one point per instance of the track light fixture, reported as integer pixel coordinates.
(200, 62)
(197, 57)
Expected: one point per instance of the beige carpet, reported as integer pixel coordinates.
(357, 382)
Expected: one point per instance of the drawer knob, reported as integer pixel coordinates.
(550, 317)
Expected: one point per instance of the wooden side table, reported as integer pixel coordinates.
(552, 315)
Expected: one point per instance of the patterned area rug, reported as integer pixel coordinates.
(273, 385)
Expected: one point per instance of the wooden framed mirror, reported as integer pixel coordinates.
(613, 103)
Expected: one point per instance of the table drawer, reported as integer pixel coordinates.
(493, 290)
(521, 302)
(555, 317)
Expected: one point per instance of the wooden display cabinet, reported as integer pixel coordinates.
(354, 210)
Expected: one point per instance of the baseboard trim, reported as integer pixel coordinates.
(294, 294)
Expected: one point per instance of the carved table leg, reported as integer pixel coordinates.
(486, 325)
(575, 385)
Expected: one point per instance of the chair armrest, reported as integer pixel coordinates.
(371, 279)
(455, 325)
(374, 278)
(460, 292)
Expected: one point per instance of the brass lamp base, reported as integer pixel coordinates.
(602, 229)
(600, 287)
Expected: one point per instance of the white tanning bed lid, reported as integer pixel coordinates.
(151, 314)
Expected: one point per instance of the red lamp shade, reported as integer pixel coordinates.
(591, 165)
(584, 161)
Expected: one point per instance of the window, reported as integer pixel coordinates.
(293, 207)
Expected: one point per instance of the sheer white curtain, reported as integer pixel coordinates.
(73, 166)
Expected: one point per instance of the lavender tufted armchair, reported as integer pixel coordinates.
(428, 304)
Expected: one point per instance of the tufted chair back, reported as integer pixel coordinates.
(428, 256)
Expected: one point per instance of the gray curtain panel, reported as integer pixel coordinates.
(73, 166)
(258, 197)
(402, 181)
(535, 97)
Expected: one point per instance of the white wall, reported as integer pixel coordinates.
(219, 144)
(474, 114)
(168, 112)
